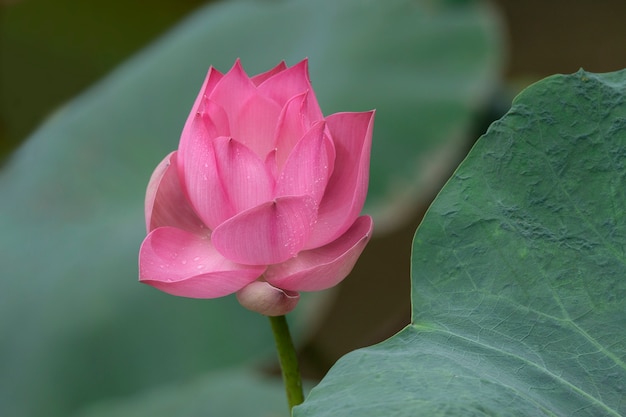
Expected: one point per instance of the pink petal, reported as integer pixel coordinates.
(290, 82)
(184, 264)
(270, 163)
(211, 79)
(234, 89)
(259, 78)
(199, 171)
(347, 187)
(166, 203)
(324, 267)
(309, 166)
(294, 121)
(215, 119)
(243, 174)
(255, 123)
(269, 233)
(261, 297)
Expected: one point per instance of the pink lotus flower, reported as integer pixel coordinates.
(263, 195)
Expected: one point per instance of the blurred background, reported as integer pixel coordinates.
(52, 51)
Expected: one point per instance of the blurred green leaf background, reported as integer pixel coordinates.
(78, 334)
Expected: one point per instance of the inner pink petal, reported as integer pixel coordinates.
(199, 170)
(185, 264)
(270, 164)
(259, 78)
(309, 165)
(243, 175)
(215, 119)
(325, 267)
(255, 123)
(166, 203)
(269, 233)
(290, 82)
(233, 89)
(292, 124)
(347, 188)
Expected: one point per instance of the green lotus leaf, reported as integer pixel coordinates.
(518, 274)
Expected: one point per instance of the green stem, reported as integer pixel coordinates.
(288, 361)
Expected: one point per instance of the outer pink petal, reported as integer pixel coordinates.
(166, 203)
(347, 188)
(290, 82)
(234, 89)
(269, 233)
(255, 123)
(325, 267)
(211, 79)
(199, 171)
(184, 264)
(244, 176)
(309, 166)
(259, 78)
